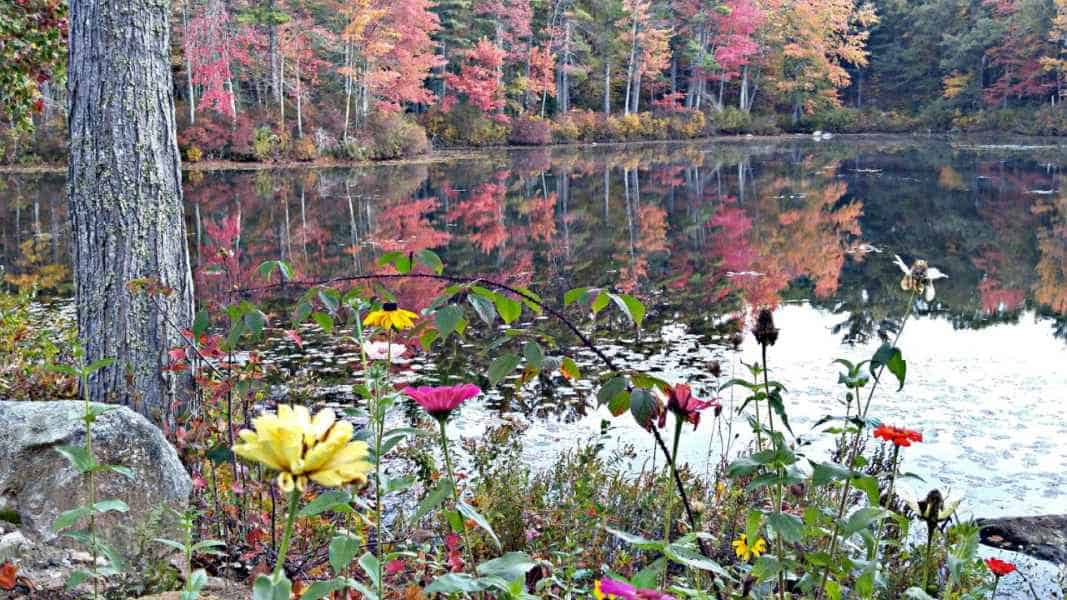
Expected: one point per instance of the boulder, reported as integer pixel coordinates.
(1043, 537)
(37, 483)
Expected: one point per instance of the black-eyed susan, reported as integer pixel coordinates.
(303, 447)
(390, 316)
(746, 551)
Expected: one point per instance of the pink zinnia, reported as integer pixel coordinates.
(440, 401)
(684, 405)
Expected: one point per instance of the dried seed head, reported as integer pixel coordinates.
(736, 340)
(715, 368)
(766, 333)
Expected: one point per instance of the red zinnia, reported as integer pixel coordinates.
(897, 435)
(440, 401)
(684, 405)
(999, 567)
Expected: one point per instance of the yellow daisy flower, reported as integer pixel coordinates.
(390, 317)
(746, 552)
(303, 447)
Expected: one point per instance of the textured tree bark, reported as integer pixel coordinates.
(124, 191)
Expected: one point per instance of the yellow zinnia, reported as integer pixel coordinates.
(746, 552)
(303, 447)
(390, 317)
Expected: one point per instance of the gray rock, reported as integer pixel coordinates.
(1043, 537)
(12, 546)
(37, 483)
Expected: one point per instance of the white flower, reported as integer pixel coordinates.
(919, 277)
(385, 351)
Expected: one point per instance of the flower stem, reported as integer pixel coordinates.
(283, 549)
(926, 563)
(455, 491)
(678, 422)
(851, 456)
(996, 584)
(778, 484)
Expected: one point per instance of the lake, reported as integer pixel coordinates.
(700, 232)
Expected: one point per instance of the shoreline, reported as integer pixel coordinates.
(460, 153)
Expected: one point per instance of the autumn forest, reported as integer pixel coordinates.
(370, 79)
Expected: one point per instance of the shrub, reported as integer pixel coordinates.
(839, 120)
(565, 130)
(530, 130)
(686, 124)
(464, 125)
(193, 154)
(731, 120)
(305, 150)
(264, 144)
(390, 135)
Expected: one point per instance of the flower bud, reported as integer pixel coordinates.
(715, 368)
(766, 333)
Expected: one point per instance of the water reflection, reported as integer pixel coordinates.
(686, 225)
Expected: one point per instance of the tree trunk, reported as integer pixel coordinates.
(188, 63)
(299, 111)
(607, 86)
(272, 50)
(124, 191)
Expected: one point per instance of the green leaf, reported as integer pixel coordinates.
(508, 567)
(369, 563)
(643, 407)
(824, 473)
(343, 548)
(198, 580)
(112, 505)
(753, 522)
(447, 318)
(790, 528)
(508, 309)
(861, 519)
(468, 511)
(892, 359)
(485, 308)
(76, 578)
(635, 540)
(688, 557)
(649, 576)
(255, 320)
(610, 389)
(569, 368)
(78, 457)
(268, 588)
(430, 260)
(331, 299)
(632, 307)
(68, 518)
(400, 261)
(331, 500)
(571, 296)
(454, 583)
(96, 365)
(200, 324)
(766, 567)
(501, 367)
(600, 302)
(219, 454)
(535, 357)
(323, 320)
(869, 485)
(321, 589)
(433, 499)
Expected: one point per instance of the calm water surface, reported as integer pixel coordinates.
(700, 232)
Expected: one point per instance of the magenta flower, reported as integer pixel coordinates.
(684, 405)
(611, 589)
(441, 401)
(653, 595)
